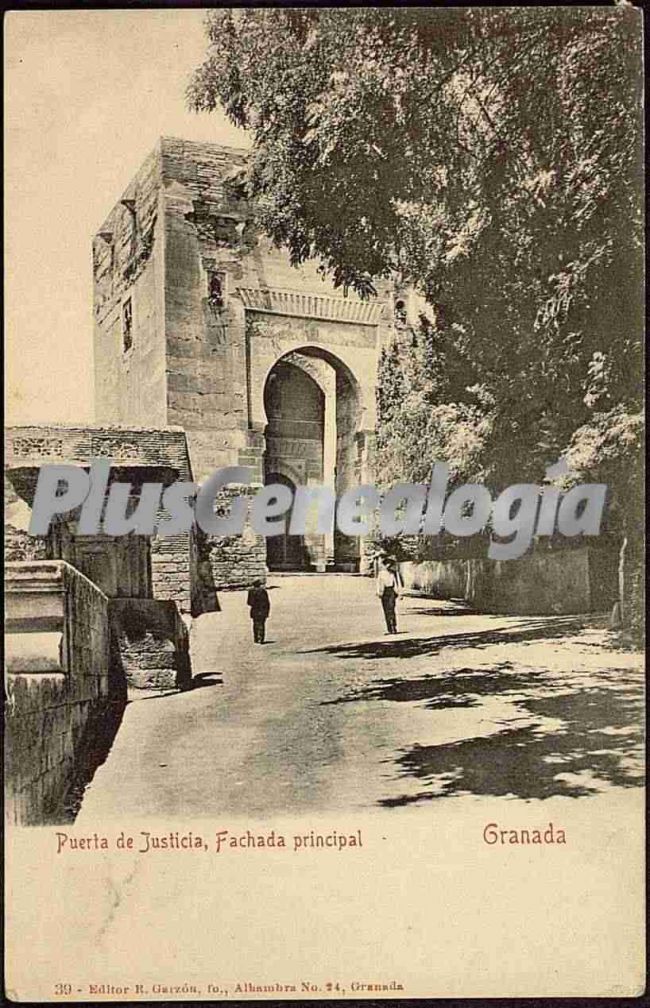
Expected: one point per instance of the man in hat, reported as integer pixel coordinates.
(260, 606)
(388, 590)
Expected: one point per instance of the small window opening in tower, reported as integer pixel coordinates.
(216, 290)
(127, 325)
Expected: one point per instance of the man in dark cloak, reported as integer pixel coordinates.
(260, 606)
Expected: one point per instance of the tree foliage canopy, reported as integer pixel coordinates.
(492, 160)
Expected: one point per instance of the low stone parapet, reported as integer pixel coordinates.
(562, 582)
(60, 687)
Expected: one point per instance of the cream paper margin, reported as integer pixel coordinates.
(424, 903)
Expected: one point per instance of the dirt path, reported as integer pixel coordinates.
(330, 714)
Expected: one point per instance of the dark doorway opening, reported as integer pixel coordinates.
(285, 552)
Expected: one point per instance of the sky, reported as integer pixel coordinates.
(87, 94)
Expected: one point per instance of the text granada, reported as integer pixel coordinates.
(493, 834)
(392, 986)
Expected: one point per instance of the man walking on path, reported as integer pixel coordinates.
(260, 606)
(388, 589)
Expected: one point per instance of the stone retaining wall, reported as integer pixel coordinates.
(61, 695)
(566, 581)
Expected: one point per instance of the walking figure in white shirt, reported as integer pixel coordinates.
(388, 590)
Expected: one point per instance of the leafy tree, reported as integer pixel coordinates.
(492, 160)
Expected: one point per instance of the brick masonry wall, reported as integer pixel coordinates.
(235, 561)
(19, 545)
(54, 719)
(152, 644)
(171, 573)
(73, 443)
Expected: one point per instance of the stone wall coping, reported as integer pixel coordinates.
(152, 470)
(66, 442)
(129, 602)
(148, 449)
(34, 576)
(71, 573)
(46, 576)
(94, 428)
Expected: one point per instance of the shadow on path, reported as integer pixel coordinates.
(98, 739)
(598, 745)
(199, 681)
(527, 630)
(463, 687)
(203, 679)
(585, 734)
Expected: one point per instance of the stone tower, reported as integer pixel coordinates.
(200, 323)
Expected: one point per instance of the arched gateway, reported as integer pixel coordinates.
(201, 324)
(312, 438)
